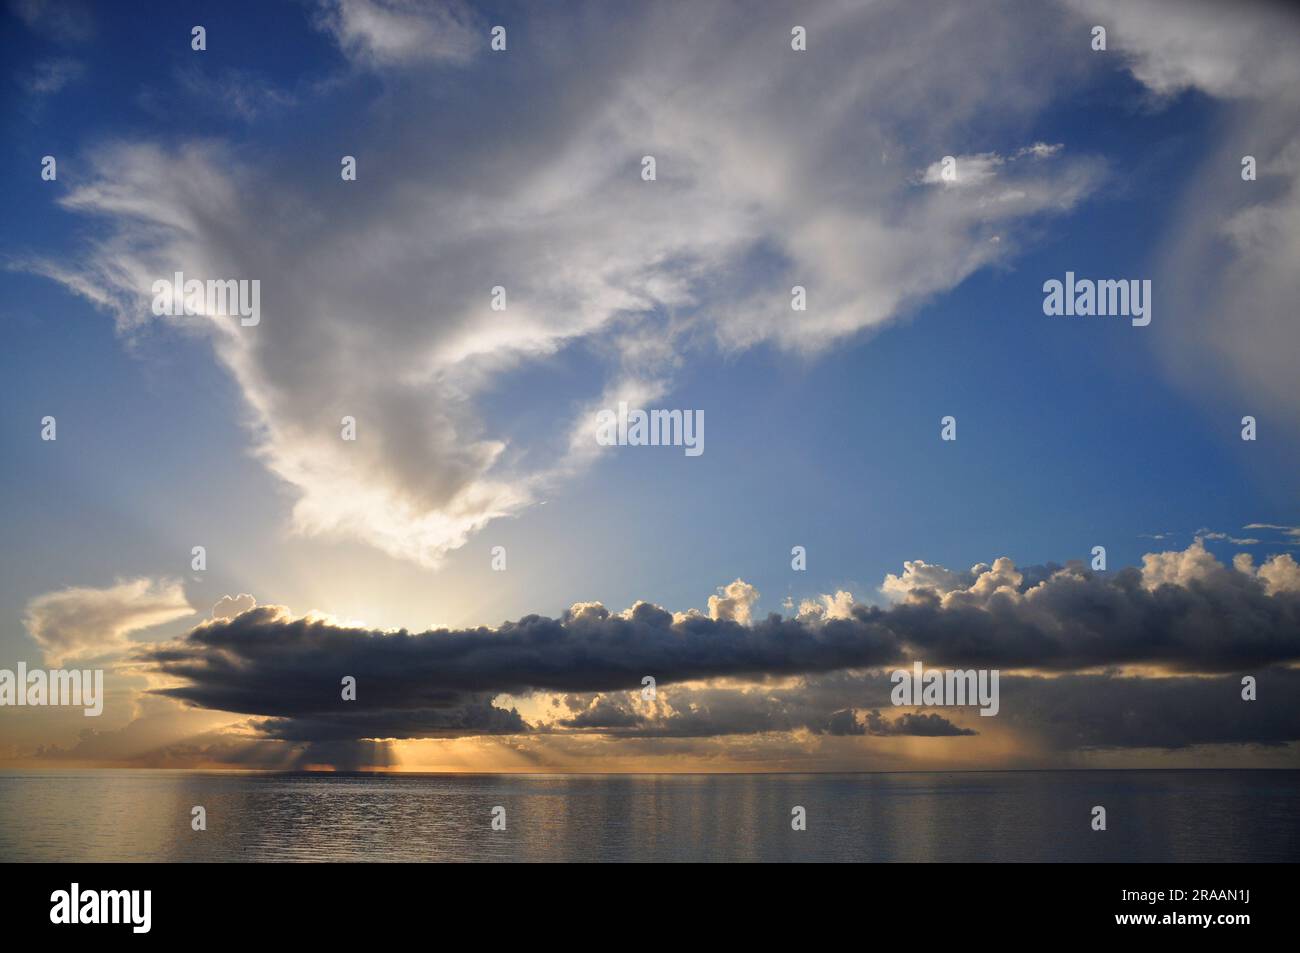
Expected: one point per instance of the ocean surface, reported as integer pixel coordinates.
(987, 816)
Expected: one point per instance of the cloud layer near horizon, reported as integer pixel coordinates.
(1181, 612)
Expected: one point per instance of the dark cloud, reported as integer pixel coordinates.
(605, 713)
(847, 722)
(1062, 713)
(1079, 712)
(928, 725)
(266, 664)
(1222, 621)
(705, 712)
(460, 715)
(1185, 613)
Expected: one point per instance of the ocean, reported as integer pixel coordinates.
(1178, 816)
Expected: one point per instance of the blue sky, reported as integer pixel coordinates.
(1072, 432)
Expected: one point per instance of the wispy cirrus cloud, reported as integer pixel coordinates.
(376, 294)
(1288, 532)
(241, 94)
(63, 21)
(50, 76)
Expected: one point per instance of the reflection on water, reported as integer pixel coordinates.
(993, 816)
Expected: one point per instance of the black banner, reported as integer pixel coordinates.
(149, 902)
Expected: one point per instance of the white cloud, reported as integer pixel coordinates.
(228, 607)
(1041, 150)
(81, 622)
(1232, 246)
(735, 601)
(1175, 568)
(985, 584)
(375, 296)
(825, 606)
(1245, 49)
(1206, 533)
(919, 576)
(1290, 531)
(966, 170)
(381, 33)
(1279, 573)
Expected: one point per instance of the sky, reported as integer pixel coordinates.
(497, 581)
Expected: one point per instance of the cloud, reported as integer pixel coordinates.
(50, 76)
(604, 713)
(1061, 713)
(383, 33)
(228, 607)
(237, 93)
(450, 718)
(1180, 568)
(81, 622)
(1280, 573)
(1291, 532)
(982, 168)
(265, 662)
(164, 735)
(1228, 249)
(1182, 609)
(64, 21)
(1088, 712)
(1184, 612)
(375, 294)
(705, 711)
(967, 170)
(1246, 52)
(928, 725)
(1228, 537)
(919, 576)
(734, 602)
(825, 606)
